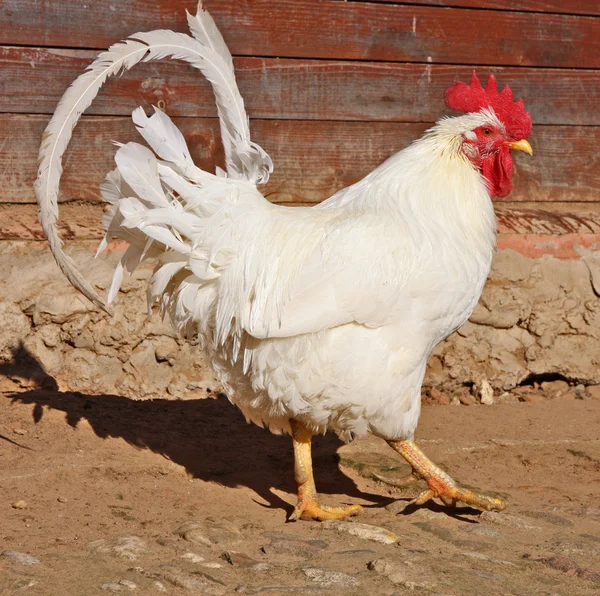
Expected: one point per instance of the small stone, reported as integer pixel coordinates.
(394, 573)
(324, 577)
(192, 557)
(438, 397)
(139, 570)
(436, 529)
(128, 584)
(159, 586)
(209, 533)
(551, 518)
(381, 566)
(555, 388)
(19, 431)
(61, 500)
(508, 398)
(166, 348)
(505, 519)
(172, 543)
(23, 584)
(199, 583)
(212, 565)
(19, 558)
(455, 401)
(580, 390)
(466, 400)
(192, 532)
(111, 587)
(568, 566)
(485, 392)
(365, 531)
(19, 505)
(84, 340)
(239, 559)
(128, 547)
(397, 507)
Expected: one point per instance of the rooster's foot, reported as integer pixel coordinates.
(308, 501)
(440, 485)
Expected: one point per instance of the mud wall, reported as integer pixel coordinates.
(537, 319)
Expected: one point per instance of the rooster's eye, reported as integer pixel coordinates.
(486, 132)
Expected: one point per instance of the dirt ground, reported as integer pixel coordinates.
(102, 494)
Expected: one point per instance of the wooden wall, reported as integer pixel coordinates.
(333, 87)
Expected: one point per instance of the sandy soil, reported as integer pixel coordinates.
(102, 494)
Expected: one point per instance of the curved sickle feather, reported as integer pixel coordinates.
(244, 159)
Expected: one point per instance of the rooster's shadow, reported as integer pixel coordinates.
(208, 437)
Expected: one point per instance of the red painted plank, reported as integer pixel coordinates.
(87, 24)
(324, 29)
(312, 159)
(536, 246)
(548, 219)
(35, 79)
(579, 7)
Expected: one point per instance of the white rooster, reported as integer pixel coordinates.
(314, 318)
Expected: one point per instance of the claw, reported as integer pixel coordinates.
(298, 511)
(425, 496)
(448, 501)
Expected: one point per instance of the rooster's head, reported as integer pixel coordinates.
(494, 125)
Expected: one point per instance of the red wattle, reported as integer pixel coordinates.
(497, 170)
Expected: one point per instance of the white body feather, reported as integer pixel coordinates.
(325, 314)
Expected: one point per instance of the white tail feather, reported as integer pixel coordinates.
(244, 159)
(243, 156)
(129, 261)
(204, 29)
(163, 136)
(138, 168)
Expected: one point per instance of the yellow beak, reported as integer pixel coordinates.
(522, 145)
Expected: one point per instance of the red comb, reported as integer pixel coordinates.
(473, 98)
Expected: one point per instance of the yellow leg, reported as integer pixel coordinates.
(308, 502)
(439, 484)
